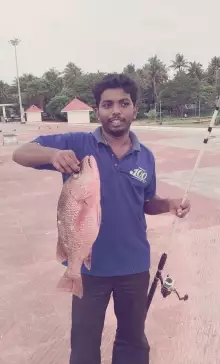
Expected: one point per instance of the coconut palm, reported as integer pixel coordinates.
(156, 73)
(179, 63)
(214, 70)
(195, 70)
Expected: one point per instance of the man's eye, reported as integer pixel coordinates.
(106, 105)
(125, 103)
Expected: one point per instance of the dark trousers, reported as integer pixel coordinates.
(88, 315)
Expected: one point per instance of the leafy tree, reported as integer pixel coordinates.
(195, 70)
(156, 75)
(55, 105)
(54, 82)
(129, 69)
(180, 91)
(4, 92)
(70, 75)
(179, 63)
(35, 92)
(213, 72)
(55, 88)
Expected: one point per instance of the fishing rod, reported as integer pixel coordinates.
(167, 284)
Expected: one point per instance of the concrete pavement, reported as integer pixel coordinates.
(35, 319)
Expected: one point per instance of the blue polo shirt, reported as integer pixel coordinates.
(122, 246)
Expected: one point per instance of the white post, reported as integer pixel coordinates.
(4, 111)
(160, 113)
(15, 42)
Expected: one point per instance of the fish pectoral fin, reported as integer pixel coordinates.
(88, 261)
(89, 201)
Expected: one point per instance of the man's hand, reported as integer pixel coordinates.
(65, 161)
(178, 208)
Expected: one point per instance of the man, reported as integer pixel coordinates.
(121, 253)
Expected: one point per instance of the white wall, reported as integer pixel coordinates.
(34, 116)
(78, 117)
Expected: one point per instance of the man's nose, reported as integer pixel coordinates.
(116, 109)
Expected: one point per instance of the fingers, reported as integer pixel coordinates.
(65, 161)
(184, 209)
(68, 164)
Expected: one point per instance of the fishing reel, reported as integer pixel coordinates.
(167, 287)
(167, 284)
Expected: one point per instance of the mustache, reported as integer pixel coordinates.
(116, 118)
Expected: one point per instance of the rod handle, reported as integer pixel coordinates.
(162, 261)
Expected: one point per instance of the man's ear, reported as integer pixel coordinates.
(135, 112)
(96, 111)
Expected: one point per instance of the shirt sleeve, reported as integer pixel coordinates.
(150, 190)
(67, 141)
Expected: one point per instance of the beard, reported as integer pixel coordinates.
(116, 127)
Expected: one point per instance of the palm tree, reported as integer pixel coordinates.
(179, 63)
(213, 70)
(54, 80)
(156, 73)
(70, 74)
(195, 70)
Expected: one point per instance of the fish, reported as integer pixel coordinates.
(78, 223)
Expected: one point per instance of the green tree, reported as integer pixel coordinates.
(70, 75)
(213, 71)
(54, 82)
(179, 63)
(129, 69)
(55, 105)
(83, 86)
(36, 92)
(195, 70)
(4, 92)
(180, 91)
(155, 73)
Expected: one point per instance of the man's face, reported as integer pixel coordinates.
(116, 111)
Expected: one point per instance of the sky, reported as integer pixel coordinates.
(105, 35)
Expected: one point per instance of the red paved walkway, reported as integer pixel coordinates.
(35, 319)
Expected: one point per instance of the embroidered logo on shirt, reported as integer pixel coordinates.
(140, 174)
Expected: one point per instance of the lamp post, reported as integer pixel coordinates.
(15, 43)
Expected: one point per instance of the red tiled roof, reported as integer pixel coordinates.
(33, 108)
(76, 105)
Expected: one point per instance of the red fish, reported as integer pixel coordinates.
(78, 223)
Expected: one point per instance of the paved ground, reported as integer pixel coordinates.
(35, 319)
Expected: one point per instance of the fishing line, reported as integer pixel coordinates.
(167, 285)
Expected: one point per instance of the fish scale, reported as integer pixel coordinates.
(78, 223)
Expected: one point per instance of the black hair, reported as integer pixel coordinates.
(114, 80)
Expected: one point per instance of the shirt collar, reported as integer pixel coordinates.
(135, 142)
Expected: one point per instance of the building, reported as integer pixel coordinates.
(33, 114)
(3, 106)
(77, 112)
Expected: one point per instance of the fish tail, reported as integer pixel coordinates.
(87, 261)
(73, 285)
(78, 287)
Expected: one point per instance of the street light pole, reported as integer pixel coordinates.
(15, 43)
